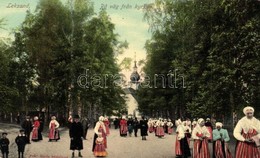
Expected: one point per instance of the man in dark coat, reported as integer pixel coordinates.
(21, 141)
(4, 145)
(144, 128)
(76, 136)
(27, 126)
(136, 126)
(85, 124)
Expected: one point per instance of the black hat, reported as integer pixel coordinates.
(4, 133)
(76, 116)
(21, 130)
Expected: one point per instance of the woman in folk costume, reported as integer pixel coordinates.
(150, 125)
(159, 128)
(107, 124)
(182, 148)
(100, 128)
(187, 131)
(220, 139)
(247, 132)
(155, 127)
(53, 127)
(123, 127)
(35, 131)
(209, 126)
(170, 126)
(100, 150)
(194, 123)
(200, 134)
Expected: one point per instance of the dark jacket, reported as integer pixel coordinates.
(4, 144)
(21, 141)
(76, 135)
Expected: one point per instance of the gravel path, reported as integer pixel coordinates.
(118, 147)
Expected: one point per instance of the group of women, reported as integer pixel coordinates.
(247, 133)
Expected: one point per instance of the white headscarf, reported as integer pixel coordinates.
(200, 120)
(248, 109)
(219, 124)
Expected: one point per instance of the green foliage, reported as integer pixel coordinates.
(215, 45)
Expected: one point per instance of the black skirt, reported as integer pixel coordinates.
(76, 144)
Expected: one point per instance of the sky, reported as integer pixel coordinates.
(125, 14)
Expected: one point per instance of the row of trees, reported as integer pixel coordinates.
(55, 45)
(213, 46)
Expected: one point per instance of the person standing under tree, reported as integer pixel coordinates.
(123, 127)
(27, 126)
(100, 150)
(130, 127)
(4, 145)
(53, 127)
(107, 124)
(247, 133)
(21, 141)
(76, 136)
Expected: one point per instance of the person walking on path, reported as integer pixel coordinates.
(54, 129)
(21, 142)
(4, 145)
(247, 133)
(136, 126)
(144, 128)
(200, 134)
(100, 128)
(220, 142)
(107, 124)
(130, 127)
(27, 126)
(100, 150)
(76, 136)
(123, 127)
(36, 130)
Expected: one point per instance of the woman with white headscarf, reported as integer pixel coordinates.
(247, 132)
(100, 128)
(220, 140)
(200, 134)
(182, 148)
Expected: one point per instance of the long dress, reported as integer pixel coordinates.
(35, 131)
(170, 127)
(181, 144)
(100, 150)
(150, 126)
(143, 127)
(123, 128)
(53, 130)
(107, 123)
(160, 129)
(246, 129)
(76, 135)
(99, 128)
(220, 148)
(200, 146)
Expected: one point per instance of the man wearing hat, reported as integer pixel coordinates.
(27, 126)
(4, 145)
(76, 136)
(220, 140)
(21, 141)
(247, 133)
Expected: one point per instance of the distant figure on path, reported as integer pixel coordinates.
(54, 129)
(21, 142)
(123, 127)
(144, 128)
(130, 126)
(76, 136)
(36, 130)
(107, 124)
(247, 133)
(209, 126)
(27, 126)
(136, 126)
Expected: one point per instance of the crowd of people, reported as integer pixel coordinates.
(200, 131)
